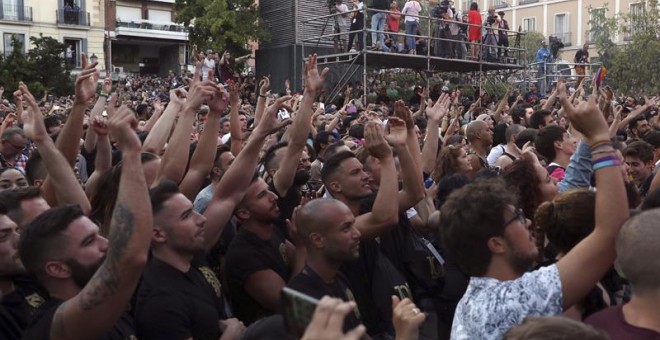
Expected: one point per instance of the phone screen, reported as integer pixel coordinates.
(298, 311)
(322, 106)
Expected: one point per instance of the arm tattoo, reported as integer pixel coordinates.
(106, 280)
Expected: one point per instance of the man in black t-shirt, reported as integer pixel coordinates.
(260, 260)
(179, 297)
(90, 279)
(326, 229)
(373, 278)
(20, 294)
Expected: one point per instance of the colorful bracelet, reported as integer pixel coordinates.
(606, 151)
(606, 158)
(605, 164)
(599, 143)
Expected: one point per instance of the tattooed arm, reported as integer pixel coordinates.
(98, 306)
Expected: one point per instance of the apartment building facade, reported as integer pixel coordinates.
(76, 23)
(144, 37)
(568, 20)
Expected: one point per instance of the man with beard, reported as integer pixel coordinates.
(490, 239)
(18, 295)
(179, 297)
(326, 228)
(91, 279)
(373, 278)
(288, 165)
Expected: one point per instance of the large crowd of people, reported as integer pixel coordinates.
(179, 207)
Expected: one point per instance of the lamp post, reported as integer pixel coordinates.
(93, 58)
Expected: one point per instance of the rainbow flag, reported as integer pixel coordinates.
(600, 75)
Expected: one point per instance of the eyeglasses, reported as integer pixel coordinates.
(518, 215)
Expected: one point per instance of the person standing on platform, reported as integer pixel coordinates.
(378, 25)
(581, 58)
(474, 30)
(411, 11)
(543, 57)
(503, 35)
(357, 24)
(393, 20)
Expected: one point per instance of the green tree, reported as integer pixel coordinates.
(633, 67)
(15, 67)
(221, 24)
(50, 67)
(531, 42)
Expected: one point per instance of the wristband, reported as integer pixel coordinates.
(262, 96)
(104, 94)
(605, 164)
(600, 143)
(606, 158)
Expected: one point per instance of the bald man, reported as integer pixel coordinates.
(327, 230)
(480, 137)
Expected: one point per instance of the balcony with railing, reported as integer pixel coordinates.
(11, 12)
(564, 37)
(501, 3)
(73, 17)
(152, 29)
(527, 2)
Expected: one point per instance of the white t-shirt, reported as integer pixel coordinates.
(207, 65)
(490, 307)
(411, 10)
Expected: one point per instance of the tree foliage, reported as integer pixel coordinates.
(42, 68)
(531, 42)
(633, 66)
(221, 24)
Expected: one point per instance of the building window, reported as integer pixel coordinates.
(9, 48)
(501, 3)
(529, 25)
(561, 28)
(72, 53)
(637, 11)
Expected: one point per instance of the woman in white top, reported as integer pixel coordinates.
(411, 11)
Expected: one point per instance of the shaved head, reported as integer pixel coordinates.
(474, 128)
(638, 252)
(317, 216)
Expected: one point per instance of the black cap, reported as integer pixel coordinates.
(500, 13)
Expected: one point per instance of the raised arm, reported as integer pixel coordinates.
(403, 112)
(551, 100)
(103, 159)
(202, 159)
(235, 131)
(68, 140)
(155, 116)
(94, 311)
(435, 114)
(497, 115)
(231, 188)
(264, 88)
(283, 177)
(588, 261)
(159, 134)
(175, 159)
(384, 214)
(91, 136)
(635, 113)
(66, 188)
(411, 175)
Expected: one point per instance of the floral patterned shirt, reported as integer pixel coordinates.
(490, 307)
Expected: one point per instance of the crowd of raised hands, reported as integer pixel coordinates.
(400, 183)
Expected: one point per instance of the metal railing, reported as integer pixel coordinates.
(545, 74)
(428, 37)
(72, 17)
(16, 13)
(487, 50)
(152, 25)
